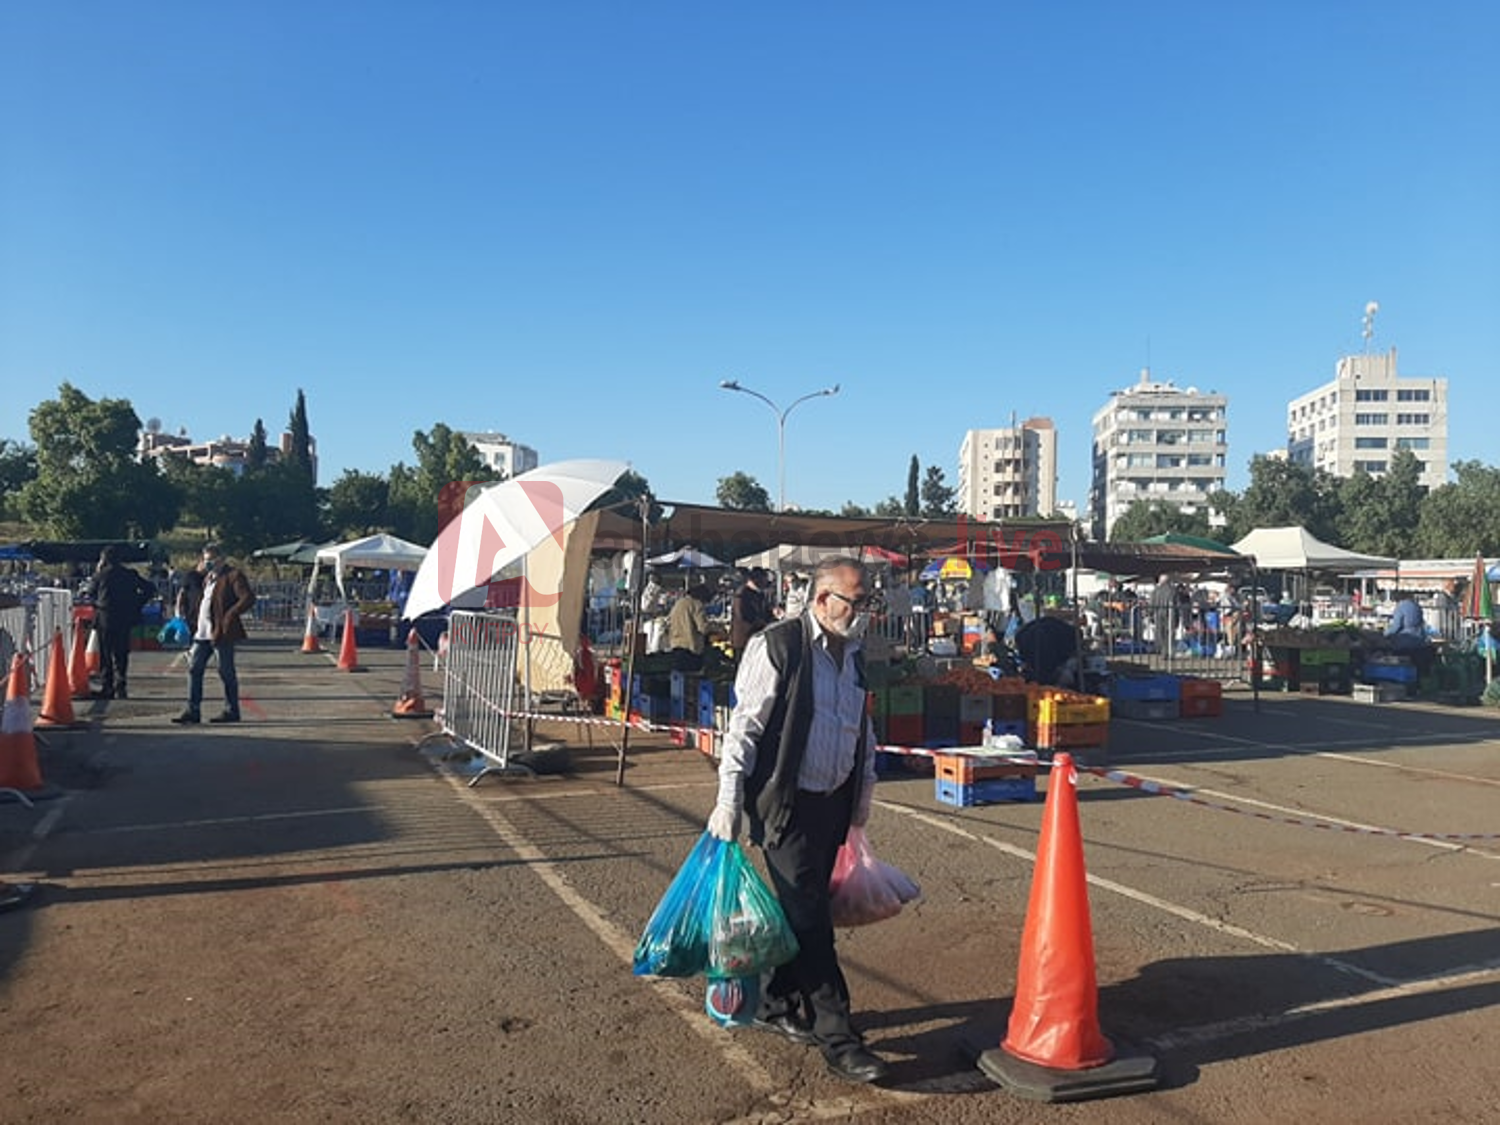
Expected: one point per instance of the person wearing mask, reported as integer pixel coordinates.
(214, 607)
(119, 595)
(799, 761)
(751, 609)
(687, 629)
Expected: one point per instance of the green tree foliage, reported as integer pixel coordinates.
(1463, 518)
(1144, 519)
(258, 452)
(742, 491)
(356, 505)
(913, 488)
(300, 451)
(17, 469)
(1283, 494)
(937, 497)
(90, 483)
(892, 507)
(1380, 515)
(851, 510)
(444, 458)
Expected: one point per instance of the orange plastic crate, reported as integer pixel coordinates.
(1201, 699)
(1065, 736)
(965, 769)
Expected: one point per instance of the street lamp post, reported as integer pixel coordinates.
(781, 415)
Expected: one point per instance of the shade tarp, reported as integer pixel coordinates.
(1295, 548)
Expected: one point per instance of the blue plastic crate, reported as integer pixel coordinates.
(991, 791)
(1390, 673)
(1145, 689)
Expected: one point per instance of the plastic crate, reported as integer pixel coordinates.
(1201, 699)
(903, 699)
(1008, 707)
(1151, 710)
(1066, 736)
(1074, 710)
(904, 730)
(1389, 673)
(940, 700)
(975, 709)
(993, 791)
(1142, 689)
(966, 769)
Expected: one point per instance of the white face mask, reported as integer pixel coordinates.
(855, 627)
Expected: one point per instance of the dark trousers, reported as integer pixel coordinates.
(800, 866)
(686, 660)
(114, 657)
(198, 663)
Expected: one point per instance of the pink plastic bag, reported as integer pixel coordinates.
(866, 889)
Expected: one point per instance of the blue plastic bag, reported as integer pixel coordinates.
(717, 918)
(175, 633)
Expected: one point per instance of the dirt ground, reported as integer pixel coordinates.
(305, 918)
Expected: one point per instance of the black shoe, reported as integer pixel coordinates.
(102, 693)
(186, 717)
(857, 1064)
(226, 717)
(786, 1026)
(120, 692)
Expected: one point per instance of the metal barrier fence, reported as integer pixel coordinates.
(1185, 639)
(31, 626)
(479, 685)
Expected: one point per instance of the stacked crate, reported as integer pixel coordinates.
(964, 780)
(1059, 719)
(1145, 697)
(1009, 710)
(975, 712)
(614, 690)
(903, 717)
(1200, 699)
(1326, 671)
(939, 716)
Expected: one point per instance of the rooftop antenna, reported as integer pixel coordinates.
(1371, 309)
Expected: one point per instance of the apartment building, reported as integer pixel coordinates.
(224, 452)
(1368, 413)
(1009, 472)
(1156, 442)
(500, 453)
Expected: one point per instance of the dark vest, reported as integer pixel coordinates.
(771, 787)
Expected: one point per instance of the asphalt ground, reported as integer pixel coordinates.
(305, 917)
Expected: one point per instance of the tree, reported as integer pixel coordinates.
(892, 507)
(89, 482)
(17, 469)
(913, 495)
(1284, 494)
(1144, 518)
(444, 459)
(851, 510)
(356, 504)
(300, 451)
(739, 490)
(937, 497)
(1462, 518)
(258, 452)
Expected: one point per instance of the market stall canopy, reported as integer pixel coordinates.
(1202, 543)
(1294, 548)
(793, 556)
(373, 552)
(303, 551)
(952, 567)
(505, 522)
(687, 558)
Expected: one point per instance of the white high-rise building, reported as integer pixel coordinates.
(500, 453)
(1009, 472)
(1368, 413)
(1156, 442)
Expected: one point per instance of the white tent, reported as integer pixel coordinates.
(1293, 548)
(374, 552)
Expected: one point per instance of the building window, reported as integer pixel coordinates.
(1413, 394)
(1364, 395)
(1369, 443)
(1372, 419)
(1413, 419)
(1370, 466)
(1413, 443)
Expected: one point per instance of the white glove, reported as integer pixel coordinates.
(724, 822)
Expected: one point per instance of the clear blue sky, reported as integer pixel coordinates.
(569, 221)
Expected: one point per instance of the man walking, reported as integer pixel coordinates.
(799, 759)
(119, 594)
(214, 612)
(751, 609)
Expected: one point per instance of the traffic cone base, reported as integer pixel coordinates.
(57, 703)
(92, 655)
(1054, 1049)
(411, 705)
(349, 650)
(18, 764)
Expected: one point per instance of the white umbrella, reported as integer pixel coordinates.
(502, 524)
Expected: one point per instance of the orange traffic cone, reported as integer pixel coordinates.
(310, 635)
(18, 765)
(1054, 1049)
(411, 705)
(92, 657)
(78, 663)
(57, 702)
(349, 651)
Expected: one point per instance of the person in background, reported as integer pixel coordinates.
(1445, 606)
(750, 611)
(799, 758)
(214, 610)
(687, 629)
(119, 595)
